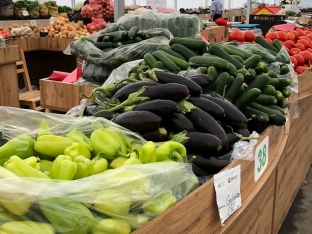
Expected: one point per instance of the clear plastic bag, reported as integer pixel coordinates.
(92, 10)
(116, 57)
(95, 73)
(126, 197)
(96, 25)
(191, 72)
(180, 25)
(266, 56)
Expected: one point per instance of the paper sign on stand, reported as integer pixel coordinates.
(228, 193)
(261, 158)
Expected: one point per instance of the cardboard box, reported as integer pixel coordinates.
(60, 96)
(216, 34)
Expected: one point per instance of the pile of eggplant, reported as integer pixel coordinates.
(176, 108)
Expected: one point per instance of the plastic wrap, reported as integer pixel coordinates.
(96, 25)
(95, 73)
(180, 25)
(92, 10)
(117, 196)
(258, 49)
(191, 72)
(116, 57)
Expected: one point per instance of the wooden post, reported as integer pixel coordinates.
(8, 76)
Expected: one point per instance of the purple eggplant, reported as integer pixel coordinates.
(210, 107)
(90, 110)
(159, 134)
(178, 122)
(158, 106)
(204, 143)
(202, 80)
(208, 164)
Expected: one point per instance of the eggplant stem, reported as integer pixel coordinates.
(242, 138)
(191, 160)
(176, 156)
(133, 99)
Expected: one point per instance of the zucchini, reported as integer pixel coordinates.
(242, 71)
(245, 53)
(250, 76)
(124, 36)
(284, 70)
(261, 68)
(220, 83)
(190, 43)
(276, 118)
(274, 82)
(277, 44)
(213, 72)
(159, 65)
(133, 32)
(247, 98)
(250, 112)
(185, 52)
(260, 82)
(286, 92)
(171, 52)
(150, 60)
(282, 103)
(107, 49)
(203, 70)
(106, 39)
(278, 95)
(265, 99)
(218, 51)
(171, 66)
(272, 74)
(179, 62)
(283, 82)
(265, 44)
(134, 69)
(272, 52)
(103, 45)
(129, 42)
(137, 39)
(274, 107)
(233, 52)
(269, 90)
(239, 59)
(252, 62)
(234, 88)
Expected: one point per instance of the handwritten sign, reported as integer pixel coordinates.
(227, 186)
(261, 158)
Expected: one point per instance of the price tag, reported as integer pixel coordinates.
(25, 13)
(261, 158)
(227, 186)
(33, 22)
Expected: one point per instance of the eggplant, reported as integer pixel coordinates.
(210, 165)
(179, 123)
(165, 78)
(123, 93)
(119, 87)
(159, 134)
(207, 124)
(258, 124)
(92, 109)
(173, 92)
(232, 114)
(202, 80)
(210, 107)
(158, 106)
(244, 132)
(205, 143)
(232, 138)
(138, 121)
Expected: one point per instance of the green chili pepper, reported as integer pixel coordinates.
(44, 129)
(99, 164)
(33, 162)
(171, 150)
(80, 137)
(159, 204)
(148, 153)
(111, 226)
(104, 142)
(52, 145)
(6, 216)
(23, 227)
(63, 168)
(136, 220)
(120, 161)
(77, 149)
(45, 165)
(22, 146)
(119, 137)
(84, 167)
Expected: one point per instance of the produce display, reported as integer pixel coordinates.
(106, 177)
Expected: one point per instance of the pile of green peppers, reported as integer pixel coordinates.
(76, 156)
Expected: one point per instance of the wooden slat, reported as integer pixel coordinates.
(25, 74)
(21, 70)
(19, 63)
(30, 96)
(9, 54)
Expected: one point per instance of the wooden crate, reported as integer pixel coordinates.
(61, 96)
(197, 213)
(304, 85)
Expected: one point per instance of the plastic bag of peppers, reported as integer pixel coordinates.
(61, 174)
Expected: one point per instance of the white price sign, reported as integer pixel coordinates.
(33, 22)
(261, 158)
(25, 13)
(227, 186)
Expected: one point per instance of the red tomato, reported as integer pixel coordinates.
(236, 35)
(300, 59)
(300, 46)
(294, 51)
(249, 36)
(293, 60)
(307, 56)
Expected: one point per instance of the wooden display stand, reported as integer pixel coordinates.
(8, 76)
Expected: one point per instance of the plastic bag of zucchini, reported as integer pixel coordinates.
(95, 73)
(180, 25)
(115, 201)
(88, 51)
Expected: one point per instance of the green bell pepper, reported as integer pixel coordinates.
(81, 138)
(77, 149)
(67, 215)
(111, 202)
(26, 227)
(45, 165)
(33, 162)
(20, 168)
(102, 141)
(22, 146)
(84, 167)
(121, 161)
(148, 152)
(99, 164)
(136, 220)
(171, 150)
(63, 168)
(111, 226)
(44, 129)
(159, 204)
(52, 145)
(118, 137)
